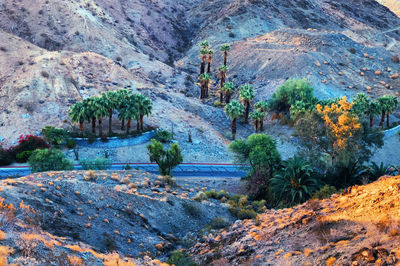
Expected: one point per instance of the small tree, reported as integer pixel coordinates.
(110, 99)
(123, 96)
(203, 56)
(260, 151)
(222, 75)
(209, 59)
(205, 80)
(234, 110)
(49, 160)
(143, 107)
(78, 114)
(246, 94)
(262, 106)
(165, 159)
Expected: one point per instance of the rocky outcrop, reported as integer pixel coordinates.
(358, 227)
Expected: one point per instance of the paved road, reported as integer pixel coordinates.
(183, 170)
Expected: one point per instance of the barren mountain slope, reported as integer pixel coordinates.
(360, 227)
(393, 5)
(89, 214)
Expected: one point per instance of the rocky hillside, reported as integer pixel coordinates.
(53, 54)
(393, 5)
(82, 216)
(359, 227)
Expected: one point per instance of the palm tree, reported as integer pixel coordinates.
(246, 94)
(392, 105)
(210, 55)
(262, 106)
(257, 116)
(123, 95)
(222, 74)
(78, 114)
(110, 99)
(225, 48)
(229, 88)
(234, 110)
(373, 109)
(100, 111)
(361, 104)
(204, 44)
(143, 107)
(204, 83)
(90, 107)
(128, 111)
(386, 104)
(203, 55)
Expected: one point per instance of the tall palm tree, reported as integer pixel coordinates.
(234, 110)
(373, 109)
(257, 116)
(246, 94)
(210, 56)
(100, 111)
(203, 55)
(123, 95)
(90, 107)
(222, 74)
(385, 103)
(78, 114)
(229, 88)
(225, 48)
(262, 106)
(392, 105)
(129, 111)
(204, 44)
(205, 80)
(143, 107)
(110, 99)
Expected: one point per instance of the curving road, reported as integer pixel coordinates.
(182, 170)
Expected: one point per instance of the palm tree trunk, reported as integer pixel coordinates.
(262, 125)
(246, 117)
(371, 120)
(387, 120)
(202, 90)
(141, 122)
(137, 125)
(81, 126)
(110, 122)
(101, 127)
(123, 124)
(128, 126)
(206, 90)
(209, 65)
(94, 125)
(203, 65)
(234, 129)
(256, 125)
(227, 97)
(221, 96)
(382, 119)
(225, 57)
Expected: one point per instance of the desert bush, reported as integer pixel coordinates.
(178, 258)
(374, 171)
(324, 192)
(23, 157)
(99, 163)
(6, 157)
(395, 59)
(29, 143)
(219, 223)
(200, 196)
(165, 159)
(90, 176)
(163, 136)
(191, 209)
(55, 136)
(49, 160)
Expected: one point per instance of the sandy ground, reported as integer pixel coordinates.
(232, 185)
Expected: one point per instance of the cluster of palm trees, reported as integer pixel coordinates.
(206, 56)
(237, 109)
(129, 107)
(384, 106)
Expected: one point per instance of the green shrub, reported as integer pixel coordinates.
(165, 159)
(128, 167)
(23, 157)
(163, 136)
(55, 135)
(325, 192)
(71, 144)
(219, 223)
(211, 194)
(191, 209)
(178, 258)
(246, 214)
(200, 196)
(49, 160)
(99, 163)
(6, 157)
